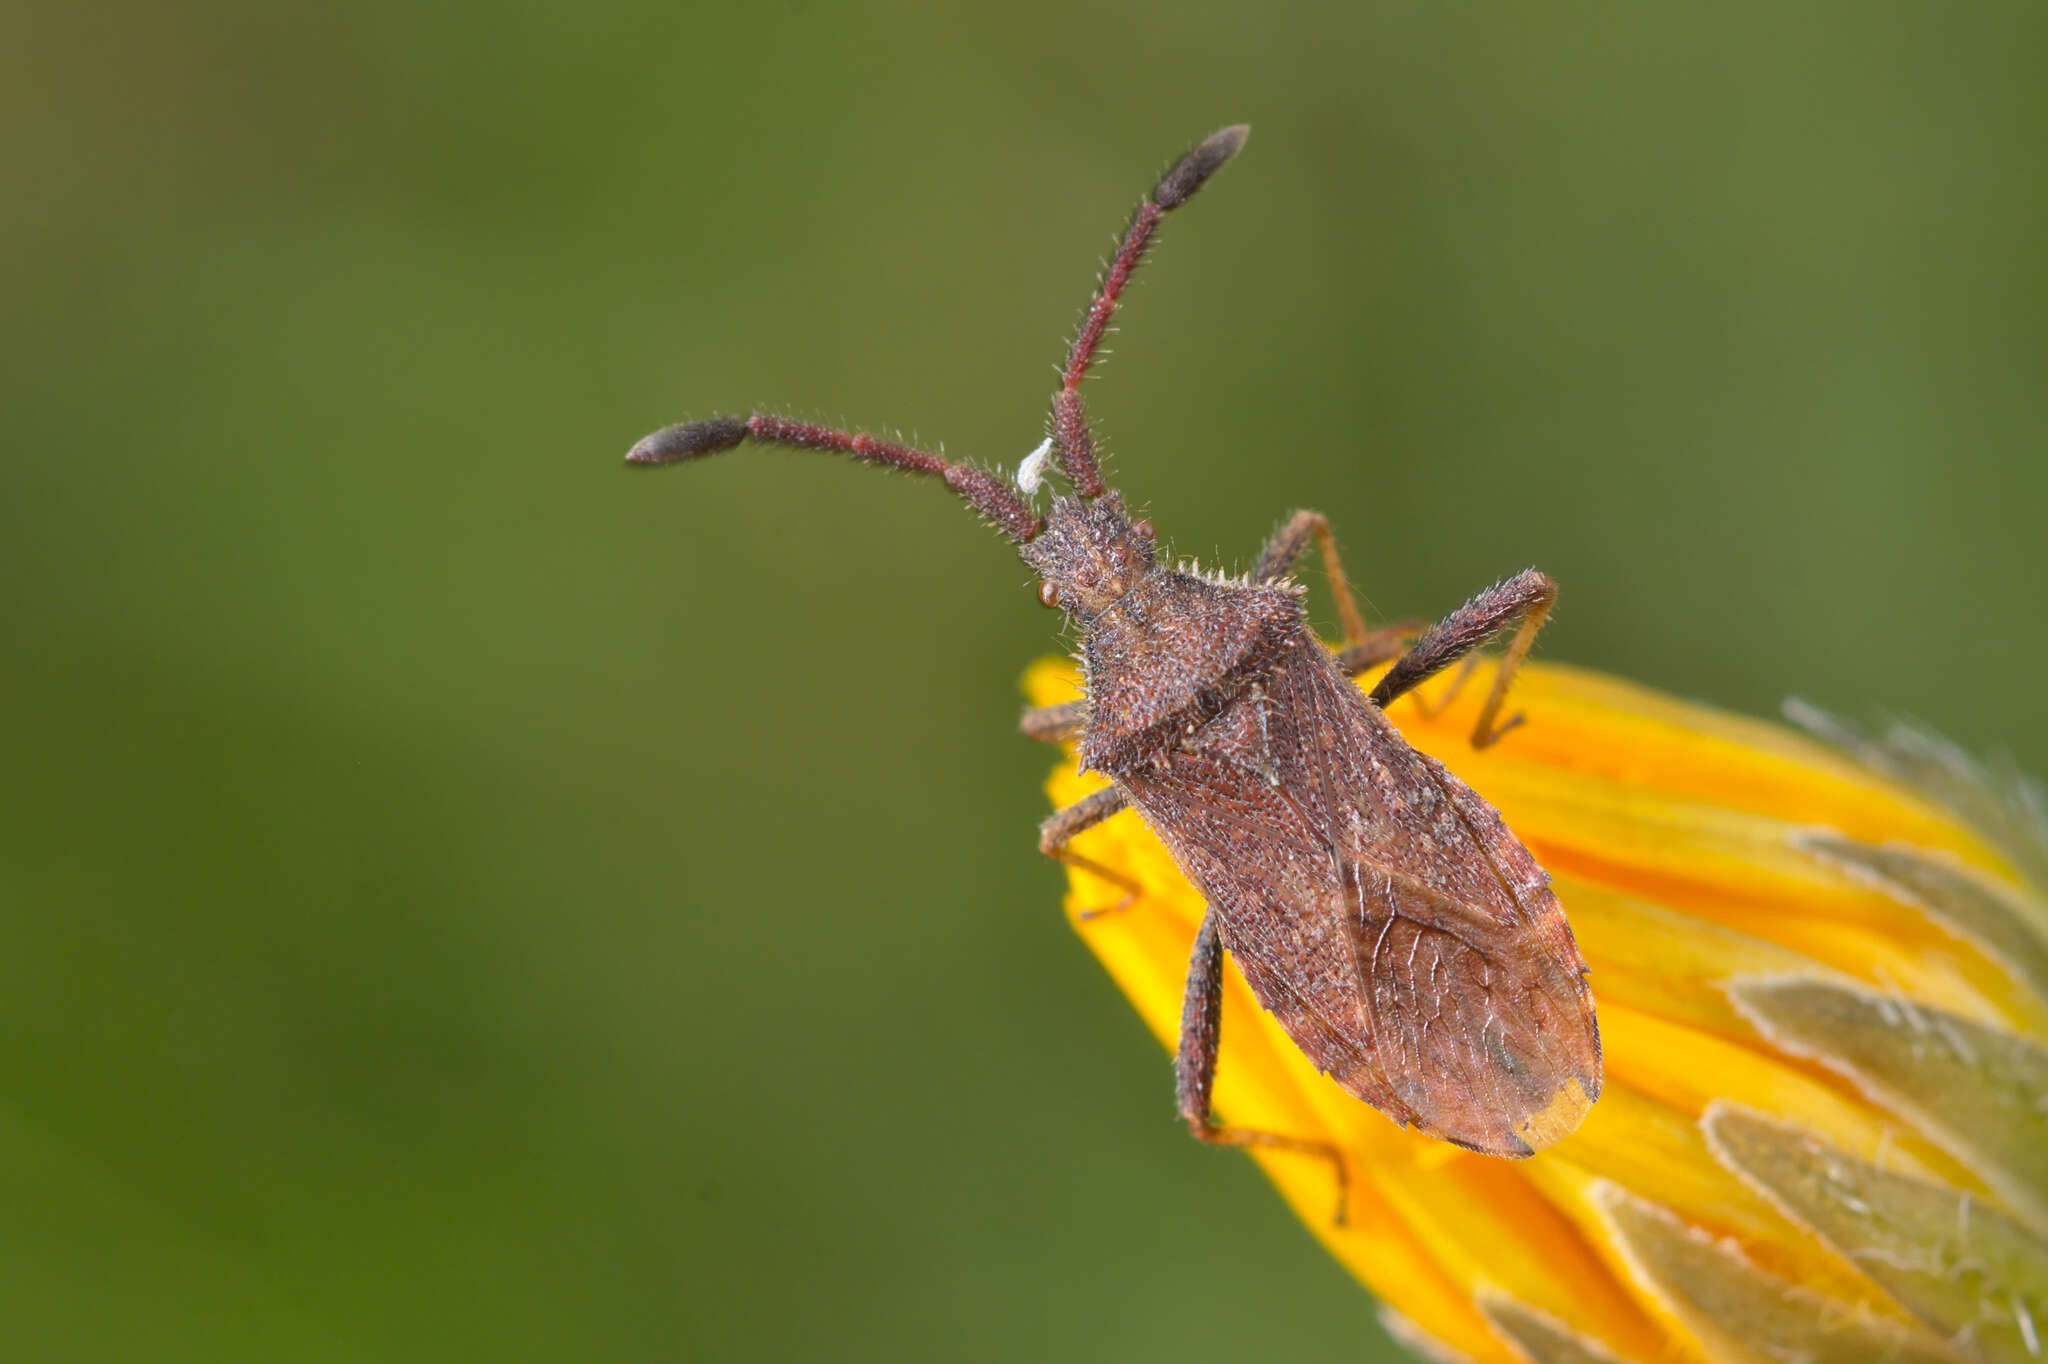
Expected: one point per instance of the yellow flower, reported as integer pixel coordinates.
(1822, 983)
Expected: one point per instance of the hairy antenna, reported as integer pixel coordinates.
(981, 490)
(1076, 443)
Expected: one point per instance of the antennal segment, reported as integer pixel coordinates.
(994, 499)
(1076, 442)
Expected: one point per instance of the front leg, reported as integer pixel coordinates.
(1055, 724)
(1289, 543)
(1194, 1064)
(1527, 597)
(1363, 649)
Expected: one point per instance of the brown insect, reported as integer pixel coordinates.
(1382, 912)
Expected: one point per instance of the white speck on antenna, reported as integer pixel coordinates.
(1031, 472)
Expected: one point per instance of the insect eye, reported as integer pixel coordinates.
(1048, 595)
(1142, 528)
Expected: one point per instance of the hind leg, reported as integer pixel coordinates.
(1194, 1064)
(1527, 597)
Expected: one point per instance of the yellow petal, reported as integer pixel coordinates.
(1748, 902)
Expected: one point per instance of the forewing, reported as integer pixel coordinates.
(1480, 1019)
(1267, 872)
(1383, 914)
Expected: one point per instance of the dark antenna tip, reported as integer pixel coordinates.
(1191, 171)
(688, 440)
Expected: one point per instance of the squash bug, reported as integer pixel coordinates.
(1380, 910)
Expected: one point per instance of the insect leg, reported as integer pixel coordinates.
(1054, 724)
(1363, 649)
(1086, 813)
(1377, 648)
(1289, 543)
(1527, 597)
(1194, 1064)
(1429, 709)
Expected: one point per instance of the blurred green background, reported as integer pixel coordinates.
(464, 900)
